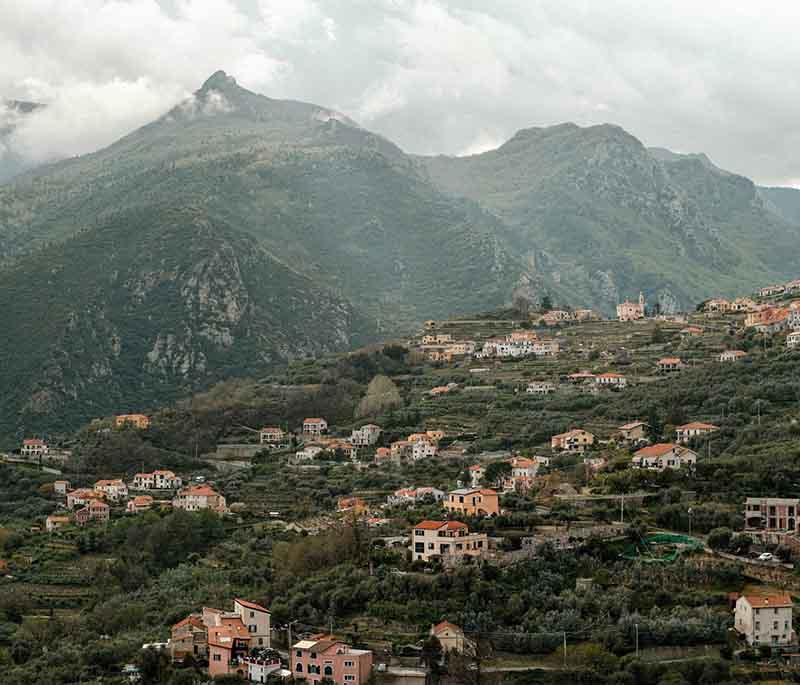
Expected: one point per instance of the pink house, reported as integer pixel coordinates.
(323, 657)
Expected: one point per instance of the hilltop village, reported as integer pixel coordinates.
(545, 491)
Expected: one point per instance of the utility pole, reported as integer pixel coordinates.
(636, 626)
(622, 508)
(690, 521)
(565, 649)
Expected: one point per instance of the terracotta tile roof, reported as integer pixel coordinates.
(192, 619)
(198, 491)
(669, 360)
(33, 442)
(697, 425)
(251, 605)
(313, 420)
(655, 450)
(764, 601)
(430, 525)
(444, 625)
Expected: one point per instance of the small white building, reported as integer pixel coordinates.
(664, 456)
(34, 448)
(793, 340)
(271, 435)
(611, 380)
(732, 355)
(540, 388)
(684, 433)
(315, 427)
(307, 454)
(765, 620)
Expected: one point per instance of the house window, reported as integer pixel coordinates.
(252, 628)
(299, 668)
(217, 657)
(252, 613)
(349, 678)
(348, 664)
(328, 670)
(313, 655)
(298, 653)
(419, 547)
(419, 532)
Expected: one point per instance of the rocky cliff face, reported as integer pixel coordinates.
(149, 308)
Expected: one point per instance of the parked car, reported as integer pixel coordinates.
(766, 556)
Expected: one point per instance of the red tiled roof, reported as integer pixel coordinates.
(313, 420)
(430, 525)
(444, 625)
(669, 360)
(199, 491)
(191, 619)
(251, 605)
(762, 601)
(655, 450)
(698, 425)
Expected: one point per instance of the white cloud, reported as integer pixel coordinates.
(433, 75)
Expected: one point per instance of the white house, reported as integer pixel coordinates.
(611, 380)
(271, 435)
(664, 456)
(157, 480)
(315, 427)
(197, 497)
(307, 453)
(540, 388)
(684, 433)
(114, 489)
(732, 355)
(366, 435)
(34, 447)
(765, 620)
(793, 340)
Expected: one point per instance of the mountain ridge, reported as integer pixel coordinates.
(371, 241)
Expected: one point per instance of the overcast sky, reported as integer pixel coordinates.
(451, 76)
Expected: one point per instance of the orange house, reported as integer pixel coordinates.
(138, 421)
(473, 502)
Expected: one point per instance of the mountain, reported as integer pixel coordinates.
(233, 233)
(239, 231)
(151, 306)
(785, 202)
(609, 217)
(12, 112)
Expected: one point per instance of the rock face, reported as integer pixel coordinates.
(151, 307)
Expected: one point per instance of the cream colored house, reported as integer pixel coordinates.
(695, 429)
(575, 440)
(451, 638)
(257, 619)
(446, 540)
(765, 620)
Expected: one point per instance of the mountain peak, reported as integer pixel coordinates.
(219, 80)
